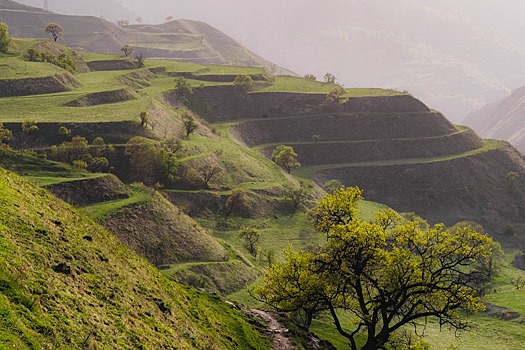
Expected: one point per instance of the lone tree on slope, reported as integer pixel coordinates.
(55, 30)
(387, 272)
(286, 157)
(5, 40)
(127, 49)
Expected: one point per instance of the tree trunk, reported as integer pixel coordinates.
(371, 344)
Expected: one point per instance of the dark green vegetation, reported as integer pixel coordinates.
(66, 283)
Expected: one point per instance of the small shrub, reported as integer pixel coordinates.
(250, 235)
(310, 77)
(80, 164)
(29, 127)
(64, 132)
(243, 82)
(99, 165)
(5, 40)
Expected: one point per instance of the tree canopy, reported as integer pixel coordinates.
(329, 78)
(5, 40)
(189, 123)
(183, 89)
(387, 272)
(55, 30)
(150, 162)
(250, 235)
(127, 49)
(243, 82)
(336, 95)
(286, 157)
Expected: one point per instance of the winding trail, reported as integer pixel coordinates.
(280, 338)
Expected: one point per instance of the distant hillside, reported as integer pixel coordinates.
(502, 120)
(67, 283)
(113, 10)
(453, 55)
(17, 6)
(183, 40)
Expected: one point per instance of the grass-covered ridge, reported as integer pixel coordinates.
(301, 85)
(66, 283)
(14, 68)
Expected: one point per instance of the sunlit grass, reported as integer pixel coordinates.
(301, 85)
(101, 210)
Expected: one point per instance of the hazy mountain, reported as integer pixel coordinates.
(455, 56)
(183, 40)
(113, 10)
(503, 119)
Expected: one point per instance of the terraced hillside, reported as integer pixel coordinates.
(402, 153)
(107, 103)
(394, 147)
(183, 40)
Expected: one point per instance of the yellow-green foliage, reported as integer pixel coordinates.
(66, 283)
(388, 272)
(286, 157)
(339, 208)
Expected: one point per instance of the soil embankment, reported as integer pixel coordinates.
(37, 86)
(162, 233)
(90, 191)
(475, 188)
(394, 147)
(101, 98)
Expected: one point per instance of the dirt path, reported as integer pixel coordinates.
(280, 338)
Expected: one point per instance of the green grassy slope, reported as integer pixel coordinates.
(243, 168)
(14, 68)
(301, 85)
(66, 283)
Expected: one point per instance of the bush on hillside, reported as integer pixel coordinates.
(243, 82)
(63, 60)
(5, 40)
(78, 152)
(5, 134)
(149, 162)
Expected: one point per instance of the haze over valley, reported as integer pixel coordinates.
(455, 56)
(274, 175)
